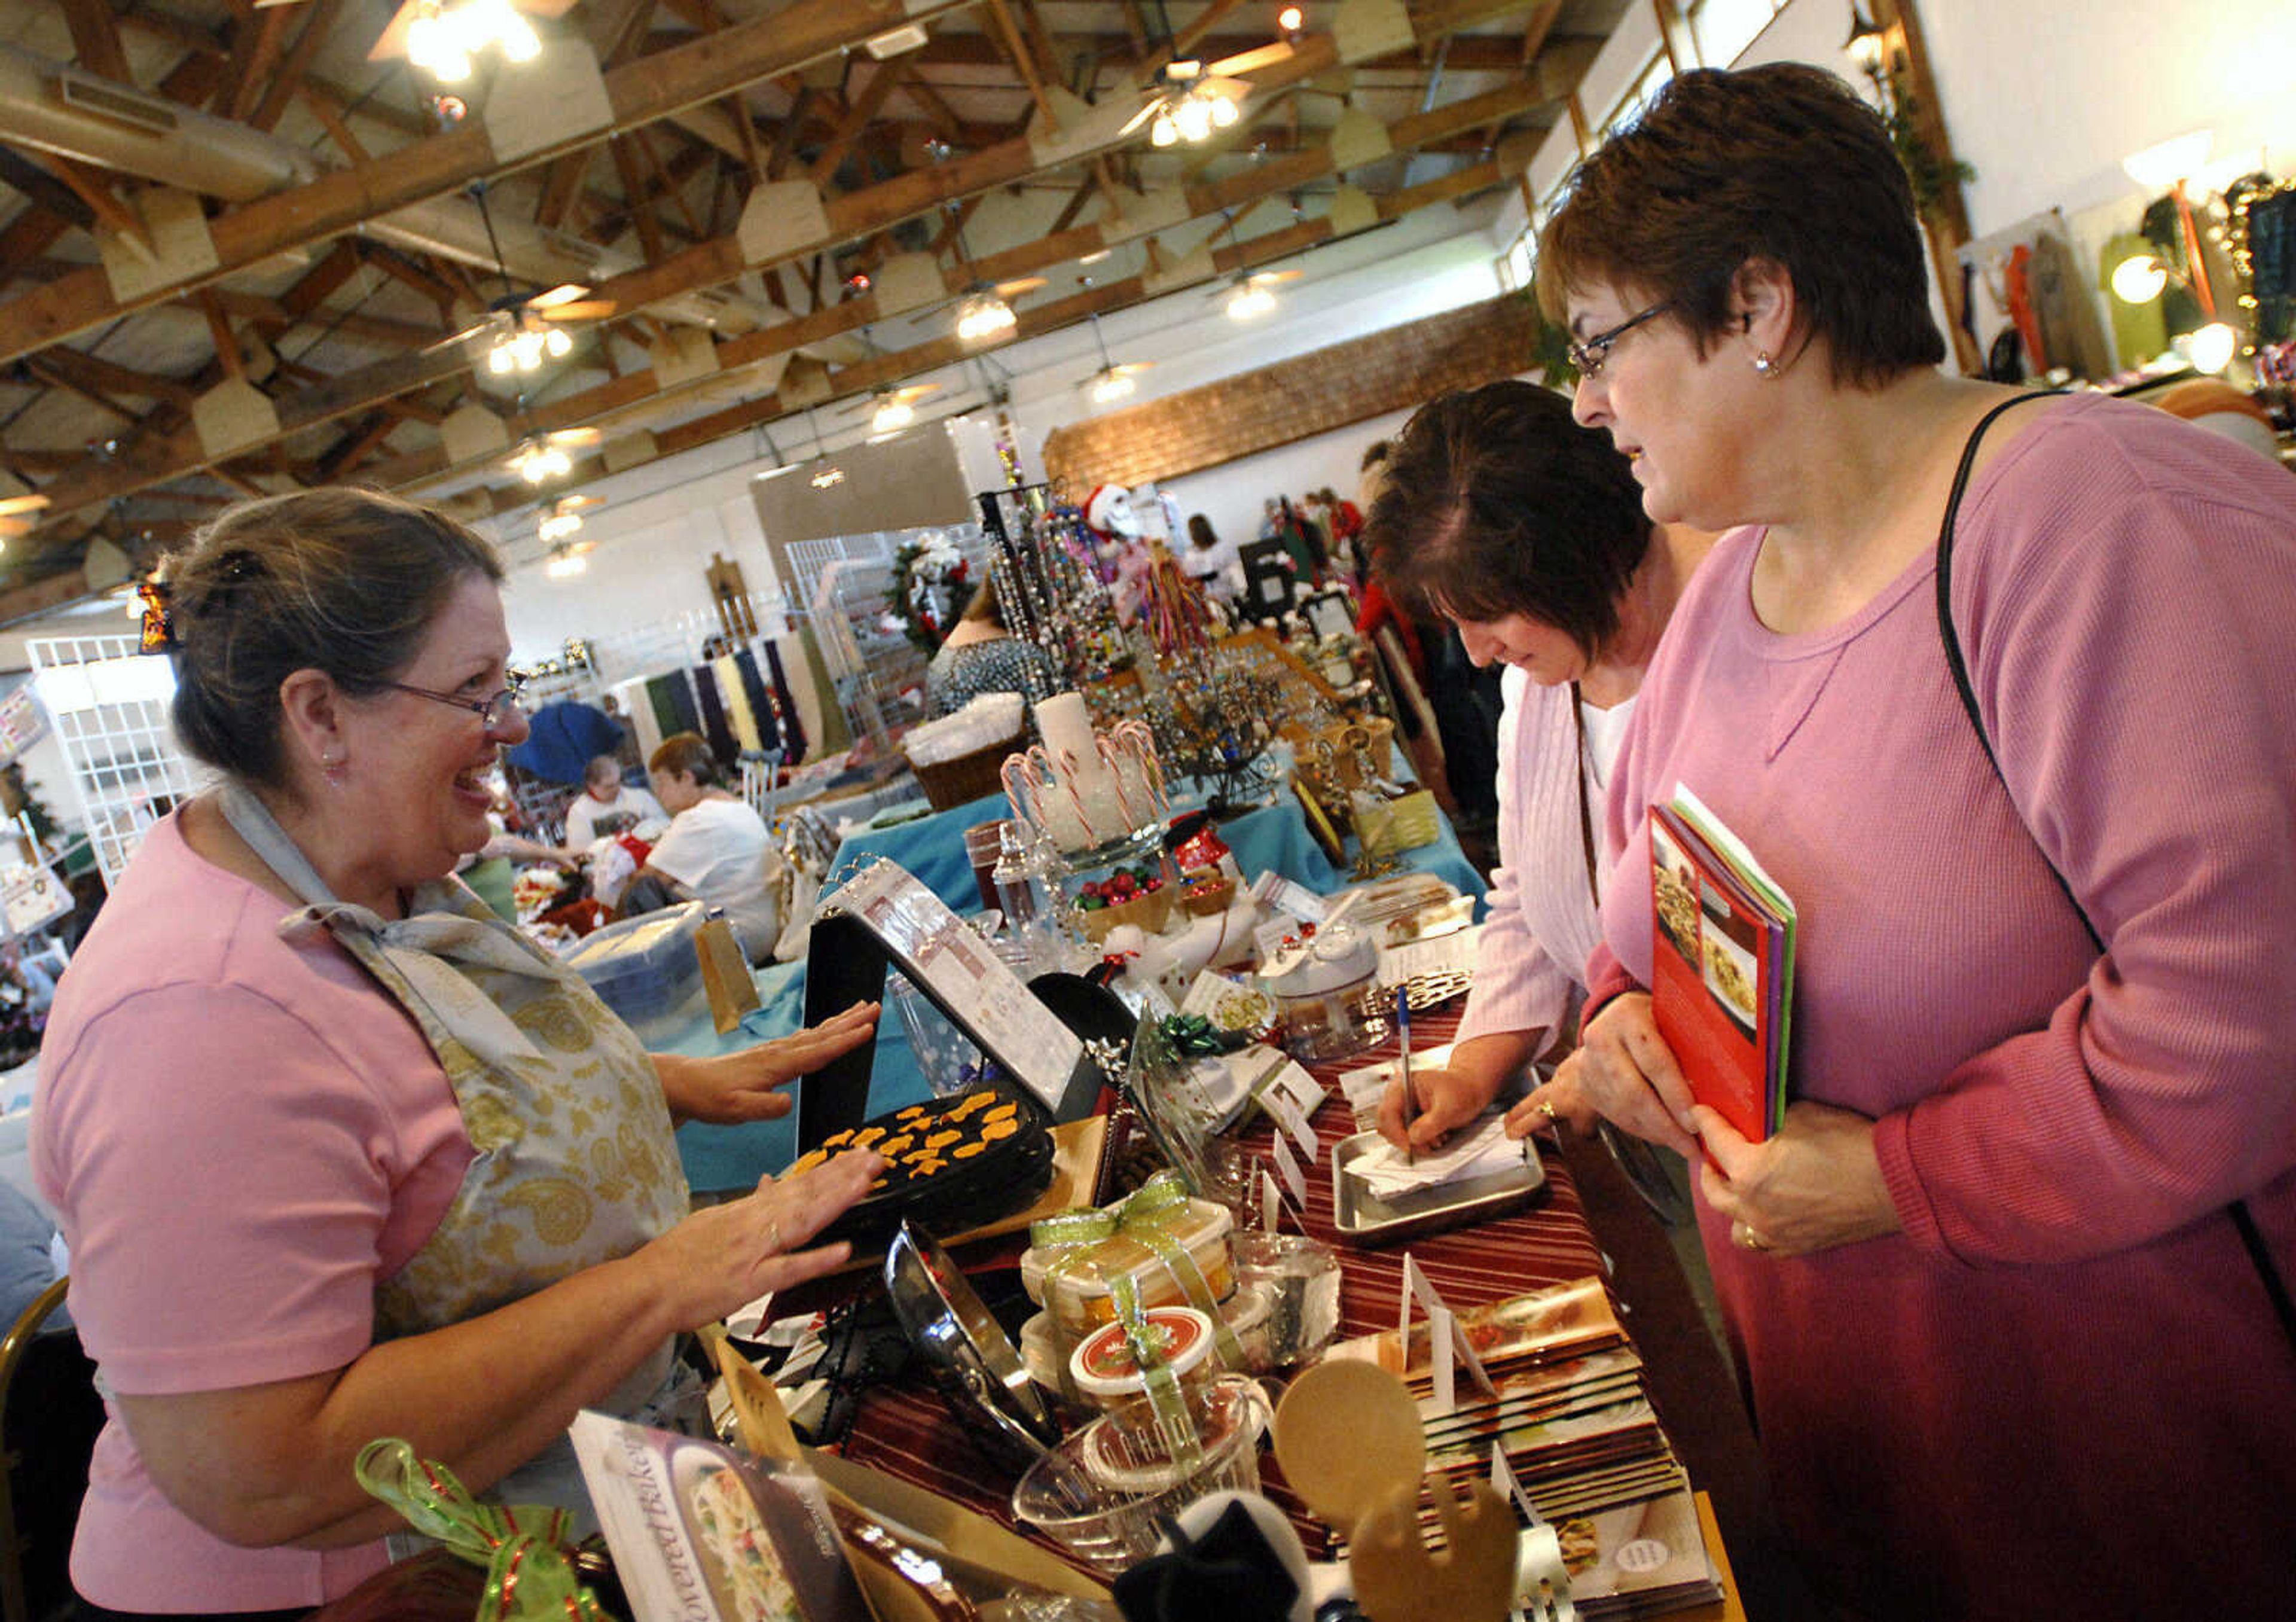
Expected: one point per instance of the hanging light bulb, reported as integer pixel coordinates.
(564, 564)
(2139, 278)
(555, 341)
(1250, 301)
(984, 316)
(1162, 130)
(1109, 386)
(1193, 118)
(2211, 349)
(829, 477)
(892, 415)
(441, 39)
(1224, 111)
(434, 43)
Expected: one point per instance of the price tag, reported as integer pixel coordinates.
(1296, 1087)
(1271, 1201)
(1273, 890)
(1447, 1340)
(1295, 1179)
(1287, 1114)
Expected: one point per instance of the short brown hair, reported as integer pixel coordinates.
(1781, 161)
(1497, 502)
(686, 754)
(343, 582)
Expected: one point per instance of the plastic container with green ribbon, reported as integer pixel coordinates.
(1173, 1247)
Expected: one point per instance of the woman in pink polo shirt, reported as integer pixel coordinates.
(340, 1156)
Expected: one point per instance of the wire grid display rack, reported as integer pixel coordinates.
(109, 705)
(877, 671)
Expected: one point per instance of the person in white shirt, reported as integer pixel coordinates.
(717, 849)
(605, 806)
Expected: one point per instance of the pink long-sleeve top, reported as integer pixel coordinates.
(2059, 1391)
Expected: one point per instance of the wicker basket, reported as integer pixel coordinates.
(949, 784)
(1150, 911)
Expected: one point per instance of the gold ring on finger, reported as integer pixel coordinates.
(1547, 1110)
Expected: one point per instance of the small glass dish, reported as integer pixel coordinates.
(1103, 1495)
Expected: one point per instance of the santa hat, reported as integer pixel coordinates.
(1096, 512)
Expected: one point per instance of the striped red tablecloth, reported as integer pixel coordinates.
(906, 1432)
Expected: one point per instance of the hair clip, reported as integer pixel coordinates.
(159, 622)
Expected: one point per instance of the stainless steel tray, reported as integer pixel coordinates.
(1363, 1218)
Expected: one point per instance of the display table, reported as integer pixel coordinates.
(720, 1159)
(906, 1432)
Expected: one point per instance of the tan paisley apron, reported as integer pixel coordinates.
(575, 1163)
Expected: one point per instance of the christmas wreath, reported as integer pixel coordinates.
(932, 583)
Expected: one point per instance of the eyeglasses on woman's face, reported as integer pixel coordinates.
(492, 712)
(1590, 355)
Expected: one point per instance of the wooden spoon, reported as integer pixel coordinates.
(1348, 1436)
(1398, 1579)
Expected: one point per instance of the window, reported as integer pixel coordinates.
(1652, 79)
(1722, 28)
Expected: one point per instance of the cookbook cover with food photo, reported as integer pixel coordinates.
(1719, 971)
(704, 1534)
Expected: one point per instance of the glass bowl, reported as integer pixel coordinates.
(1102, 1493)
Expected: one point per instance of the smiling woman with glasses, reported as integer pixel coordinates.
(494, 713)
(1996, 687)
(325, 1136)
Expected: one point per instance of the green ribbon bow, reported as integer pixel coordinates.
(529, 1579)
(1175, 1427)
(1144, 1216)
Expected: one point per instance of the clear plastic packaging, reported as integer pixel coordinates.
(1077, 1295)
(646, 968)
(1299, 1279)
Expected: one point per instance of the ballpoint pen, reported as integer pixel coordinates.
(1410, 1103)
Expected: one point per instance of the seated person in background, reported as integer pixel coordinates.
(27, 1256)
(980, 655)
(606, 805)
(717, 848)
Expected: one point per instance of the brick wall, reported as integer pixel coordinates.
(1255, 411)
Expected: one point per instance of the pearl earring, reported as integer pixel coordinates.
(1764, 365)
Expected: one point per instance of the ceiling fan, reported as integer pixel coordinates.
(441, 35)
(1191, 99)
(1114, 380)
(893, 410)
(542, 457)
(15, 514)
(1251, 295)
(563, 518)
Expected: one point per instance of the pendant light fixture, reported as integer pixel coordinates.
(442, 37)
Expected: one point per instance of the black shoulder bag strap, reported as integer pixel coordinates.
(2267, 1272)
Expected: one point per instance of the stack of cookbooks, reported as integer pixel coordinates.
(1572, 1421)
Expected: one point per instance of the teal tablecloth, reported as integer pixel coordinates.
(1272, 839)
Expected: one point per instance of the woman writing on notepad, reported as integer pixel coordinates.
(1998, 690)
(1526, 531)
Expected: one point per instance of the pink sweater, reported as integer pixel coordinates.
(2058, 1392)
(241, 1137)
